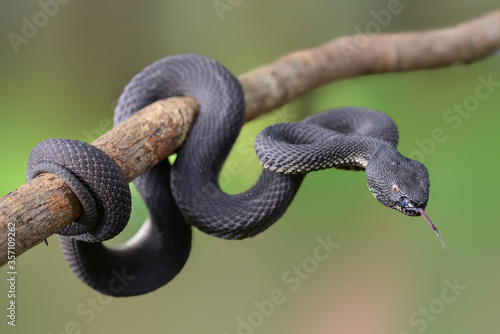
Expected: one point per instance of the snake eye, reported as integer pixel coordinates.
(395, 188)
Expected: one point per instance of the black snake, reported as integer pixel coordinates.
(188, 192)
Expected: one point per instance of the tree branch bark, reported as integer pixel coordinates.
(44, 205)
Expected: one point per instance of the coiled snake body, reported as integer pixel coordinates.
(188, 192)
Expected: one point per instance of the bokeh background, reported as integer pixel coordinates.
(388, 274)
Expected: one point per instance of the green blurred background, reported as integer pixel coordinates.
(389, 274)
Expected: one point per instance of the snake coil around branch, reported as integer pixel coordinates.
(188, 194)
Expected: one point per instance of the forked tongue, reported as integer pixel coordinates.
(433, 227)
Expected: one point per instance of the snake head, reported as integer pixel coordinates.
(398, 182)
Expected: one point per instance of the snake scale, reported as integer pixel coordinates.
(188, 194)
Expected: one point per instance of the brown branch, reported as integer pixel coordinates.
(274, 85)
(44, 205)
